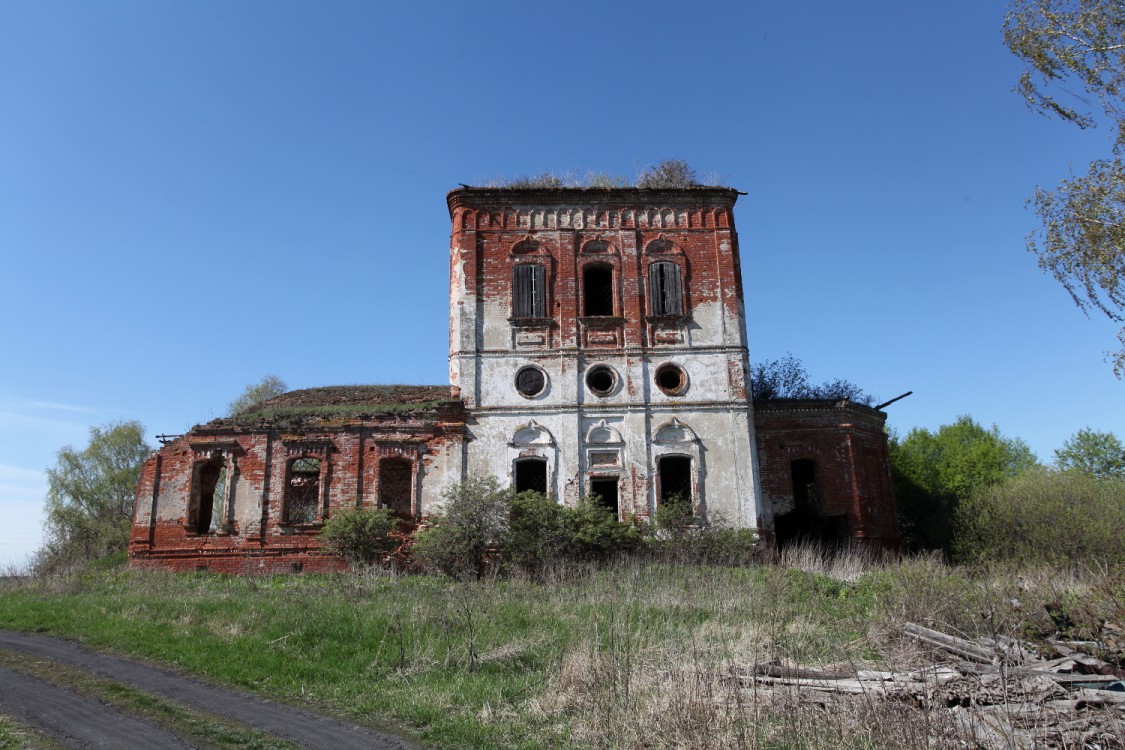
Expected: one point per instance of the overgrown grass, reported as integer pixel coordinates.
(635, 654)
(15, 735)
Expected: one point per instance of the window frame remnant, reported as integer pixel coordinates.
(611, 500)
(671, 370)
(530, 381)
(529, 291)
(209, 495)
(594, 376)
(675, 474)
(665, 289)
(598, 297)
(530, 474)
(303, 500)
(394, 471)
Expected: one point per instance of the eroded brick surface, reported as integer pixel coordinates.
(257, 535)
(848, 446)
(598, 291)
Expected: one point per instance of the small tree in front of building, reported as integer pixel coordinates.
(537, 535)
(473, 523)
(364, 536)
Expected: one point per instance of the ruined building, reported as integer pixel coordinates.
(597, 347)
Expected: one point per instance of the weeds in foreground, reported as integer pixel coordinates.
(635, 653)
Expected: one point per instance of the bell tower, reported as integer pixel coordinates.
(597, 336)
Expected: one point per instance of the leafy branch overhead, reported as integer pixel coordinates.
(1082, 240)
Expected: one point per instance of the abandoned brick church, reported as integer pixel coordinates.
(597, 346)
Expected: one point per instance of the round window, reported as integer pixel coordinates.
(671, 379)
(601, 380)
(530, 381)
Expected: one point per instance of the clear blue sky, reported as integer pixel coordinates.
(193, 195)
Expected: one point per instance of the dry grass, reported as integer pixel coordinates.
(639, 654)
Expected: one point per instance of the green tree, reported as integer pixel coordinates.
(934, 472)
(89, 507)
(254, 394)
(787, 378)
(1067, 45)
(1097, 453)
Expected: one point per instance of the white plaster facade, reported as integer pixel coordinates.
(624, 432)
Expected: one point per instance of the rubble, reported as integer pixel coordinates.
(999, 692)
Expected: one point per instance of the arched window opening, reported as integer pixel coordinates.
(396, 481)
(302, 491)
(211, 489)
(675, 480)
(597, 291)
(529, 291)
(531, 475)
(665, 289)
(604, 491)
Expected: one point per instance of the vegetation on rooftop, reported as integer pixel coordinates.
(670, 174)
(339, 403)
(296, 415)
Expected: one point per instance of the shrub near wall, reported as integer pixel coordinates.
(1044, 516)
(363, 536)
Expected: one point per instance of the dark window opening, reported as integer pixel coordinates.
(665, 289)
(597, 287)
(531, 475)
(603, 490)
(806, 521)
(396, 479)
(601, 380)
(675, 480)
(529, 292)
(302, 491)
(671, 379)
(211, 484)
(530, 381)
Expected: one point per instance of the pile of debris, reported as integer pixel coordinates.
(1000, 693)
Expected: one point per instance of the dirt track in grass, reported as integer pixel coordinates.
(84, 722)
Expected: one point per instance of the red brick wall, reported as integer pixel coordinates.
(849, 446)
(259, 540)
(491, 227)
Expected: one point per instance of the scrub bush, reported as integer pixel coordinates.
(1044, 516)
(363, 536)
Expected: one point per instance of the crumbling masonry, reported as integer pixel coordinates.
(597, 347)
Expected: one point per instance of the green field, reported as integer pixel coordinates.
(636, 654)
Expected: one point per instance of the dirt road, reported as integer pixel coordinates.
(83, 722)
